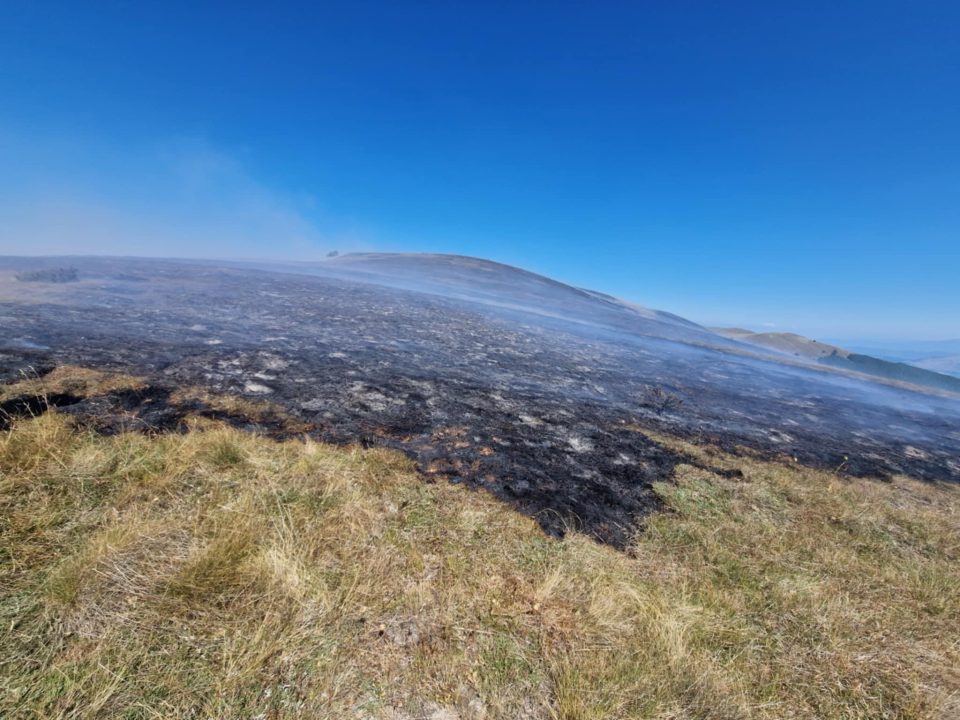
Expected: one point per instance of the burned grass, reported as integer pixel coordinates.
(547, 393)
(606, 498)
(217, 573)
(111, 403)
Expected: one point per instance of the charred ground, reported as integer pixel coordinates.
(553, 414)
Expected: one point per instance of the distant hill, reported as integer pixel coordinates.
(904, 350)
(949, 365)
(787, 343)
(942, 356)
(841, 358)
(893, 371)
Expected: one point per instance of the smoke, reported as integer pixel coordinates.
(178, 199)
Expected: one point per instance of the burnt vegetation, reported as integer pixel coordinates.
(562, 419)
(213, 572)
(50, 275)
(302, 502)
(660, 400)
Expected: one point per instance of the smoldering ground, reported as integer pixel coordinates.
(550, 407)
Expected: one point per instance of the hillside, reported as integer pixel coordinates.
(893, 371)
(949, 365)
(216, 573)
(842, 359)
(550, 399)
(942, 356)
(279, 492)
(505, 288)
(787, 343)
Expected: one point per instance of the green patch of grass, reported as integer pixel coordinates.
(224, 454)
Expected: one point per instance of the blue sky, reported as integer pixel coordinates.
(788, 166)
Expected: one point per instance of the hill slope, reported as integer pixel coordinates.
(214, 573)
(949, 365)
(786, 343)
(837, 357)
(942, 356)
(507, 288)
(551, 412)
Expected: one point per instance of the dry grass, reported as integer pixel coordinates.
(218, 574)
(82, 382)
(259, 411)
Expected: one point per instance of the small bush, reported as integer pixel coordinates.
(660, 400)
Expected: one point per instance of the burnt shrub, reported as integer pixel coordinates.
(660, 401)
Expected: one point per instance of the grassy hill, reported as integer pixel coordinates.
(220, 574)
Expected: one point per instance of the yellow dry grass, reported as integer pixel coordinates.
(82, 382)
(260, 411)
(219, 574)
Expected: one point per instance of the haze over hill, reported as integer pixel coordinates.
(798, 346)
(538, 392)
(942, 356)
(501, 286)
(510, 288)
(949, 365)
(786, 343)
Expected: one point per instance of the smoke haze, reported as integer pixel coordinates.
(177, 199)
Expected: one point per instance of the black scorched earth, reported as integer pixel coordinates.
(540, 393)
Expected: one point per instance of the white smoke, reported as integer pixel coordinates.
(180, 199)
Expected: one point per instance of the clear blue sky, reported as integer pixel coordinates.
(790, 166)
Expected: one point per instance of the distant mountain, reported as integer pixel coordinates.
(787, 343)
(904, 350)
(841, 358)
(942, 356)
(949, 365)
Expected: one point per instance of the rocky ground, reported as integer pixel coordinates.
(547, 412)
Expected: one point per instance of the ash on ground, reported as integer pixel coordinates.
(545, 409)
